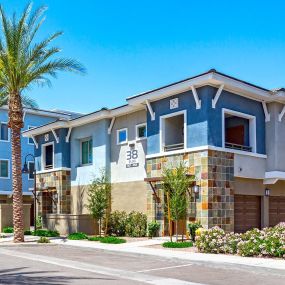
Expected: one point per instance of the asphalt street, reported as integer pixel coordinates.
(60, 264)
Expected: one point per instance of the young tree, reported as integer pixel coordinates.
(23, 64)
(99, 198)
(176, 183)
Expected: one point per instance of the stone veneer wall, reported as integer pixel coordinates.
(61, 181)
(214, 172)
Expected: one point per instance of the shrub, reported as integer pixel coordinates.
(8, 230)
(77, 236)
(113, 240)
(28, 233)
(153, 228)
(95, 238)
(136, 224)
(117, 223)
(171, 244)
(193, 227)
(46, 233)
(39, 222)
(43, 240)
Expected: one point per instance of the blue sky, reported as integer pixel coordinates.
(129, 47)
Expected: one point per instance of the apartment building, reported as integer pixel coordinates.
(228, 132)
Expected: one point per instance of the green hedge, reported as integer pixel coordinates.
(184, 244)
(45, 233)
(77, 236)
(8, 230)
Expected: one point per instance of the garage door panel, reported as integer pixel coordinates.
(276, 210)
(247, 212)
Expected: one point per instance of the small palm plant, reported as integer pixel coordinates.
(23, 64)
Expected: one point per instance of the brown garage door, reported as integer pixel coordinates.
(276, 210)
(247, 212)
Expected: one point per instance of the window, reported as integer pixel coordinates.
(30, 140)
(141, 131)
(122, 136)
(31, 167)
(173, 131)
(48, 156)
(4, 168)
(86, 151)
(4, 133)
(239, 131)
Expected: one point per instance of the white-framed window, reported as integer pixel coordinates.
(86, 146)
(30, 140)
(31, 167)
(238, 130)
(173, 131)
(4, 168)
(141, 131)
(4, 132)
(122, 136)
(48, 155)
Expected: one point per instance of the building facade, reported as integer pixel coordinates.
(229, 133)
(32, 118)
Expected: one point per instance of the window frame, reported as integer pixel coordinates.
(82, 141)
(29, 178)
(8, 140)
(252, 127)
(8, 165)
(162, 128)
(137, 131)
(127, 139)
(44, 155)
(30, 138)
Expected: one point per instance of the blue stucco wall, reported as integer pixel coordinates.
(204, 126)
(61, 149)
(5, 148)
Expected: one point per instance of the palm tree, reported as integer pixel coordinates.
(23, 64)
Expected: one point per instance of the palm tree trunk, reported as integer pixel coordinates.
(15, 124)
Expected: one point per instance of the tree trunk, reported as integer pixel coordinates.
(15, 124)
(176, 227)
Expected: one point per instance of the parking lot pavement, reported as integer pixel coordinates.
(58, 264)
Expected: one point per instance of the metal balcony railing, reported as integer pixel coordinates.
(171, 147)
(238, 147)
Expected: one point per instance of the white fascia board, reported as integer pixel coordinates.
(44, 129)
(275, 175)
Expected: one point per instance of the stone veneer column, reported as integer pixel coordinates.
(59, 180)
(213, 171)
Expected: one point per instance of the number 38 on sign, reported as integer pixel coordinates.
(132, 158)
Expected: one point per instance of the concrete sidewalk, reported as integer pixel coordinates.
(140, 247)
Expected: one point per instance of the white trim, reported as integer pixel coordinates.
(5, 159)
(29, 128)
(30, 179)
(35, 142)
(281, 114)
(252, 127)
(152, 114)
(196, 97)
(205, 147)
(269, 181)
(43, 155)
(53, 170)
(111, 125)
(266, 113)
(217, 96)
(124, 142)
(9, 138)
(68, 135)
(162, 128)
(275, 174)
(138, 126)
(55, 135)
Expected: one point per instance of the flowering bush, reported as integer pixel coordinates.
(268, 242)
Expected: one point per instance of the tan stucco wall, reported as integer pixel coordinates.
(256, 187)
(6, 216)
(79, 200)
(129, 196)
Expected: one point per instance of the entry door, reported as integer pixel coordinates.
(276, 210)
(247, 212)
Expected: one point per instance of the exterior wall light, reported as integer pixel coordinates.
(196, 189)
(267, 192)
